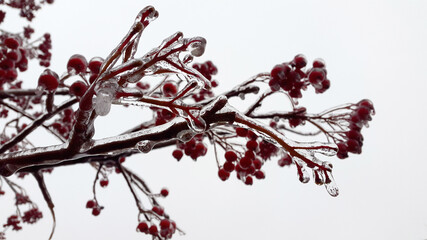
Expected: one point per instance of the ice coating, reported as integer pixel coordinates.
(303, 175)
(145, 146)
(198, 125)
(185, 135)
(149, 14)
(197, 46)
(105, 93)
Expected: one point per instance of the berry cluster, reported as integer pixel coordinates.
(13, 222)
(32, 216)
(64, 124)
(44, 48)
(26, 8)
(207, 69)
(96, 208)
(194, 148)
(167, 228)
(12, 58)
(248, 163)
(353, 138)
(292, 78)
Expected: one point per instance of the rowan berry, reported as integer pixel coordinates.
(177, 154)
(76, 64)
(143, 227)
(78, 88)
(223, 174)
(49, 80)
(230, 156)
(164, 192)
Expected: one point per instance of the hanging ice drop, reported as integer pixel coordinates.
(145, 146)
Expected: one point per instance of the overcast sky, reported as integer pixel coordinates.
(373, 49)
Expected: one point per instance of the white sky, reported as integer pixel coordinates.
(373, 49)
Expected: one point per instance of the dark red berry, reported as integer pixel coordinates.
(153, 230)
(164, 223)
(49, 80)
(90, 204)
(300, 61)
(223, 175)
(241, 132)
(177, 154)
(164, 192)
(259, 174)
(228, 166)
(285, 160)
(245, 162)
(143, 227)
(318, 63)
(78, 88)
(95, 64)
(96, 211)
(170, 89)
(342, 150)
(104, 182)
(249, 180)
(11, 43)
(252, 145)
(77, 64)
(230, 156)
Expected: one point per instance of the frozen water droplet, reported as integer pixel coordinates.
(145, 146)
(197, 47)
(330, 184)
(185, 135)
(303, 175)
(102, 103)
(242, 96)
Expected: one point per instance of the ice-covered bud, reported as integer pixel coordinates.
(105, 94)
(197, 46)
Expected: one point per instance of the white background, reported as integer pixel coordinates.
(373, 49)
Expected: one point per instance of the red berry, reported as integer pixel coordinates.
(11, 42)
(230, 156)
(249, 180)
(164, 223)
(90, 204)
(364, 113)
(77, 64)
(342, 150)
(259, 174)
(228, 166)
(318, 63)
(153, 230)
(354, 146)
(158, 210)
(241, 132)
(14, 55)
(252, 145)
(78, 88)
(285, 160)
(164, 192)
(316, 76)
(95, 64)
(177, 154)
(143, 227)
(103, 182)
(300, 61)
(170, 89)
(245, 162)
(49, 80)
(223, 174)
(257, 163)
(96, 211)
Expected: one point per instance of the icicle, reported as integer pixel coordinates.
(330, 184)
(318, 177)
(303, 175)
